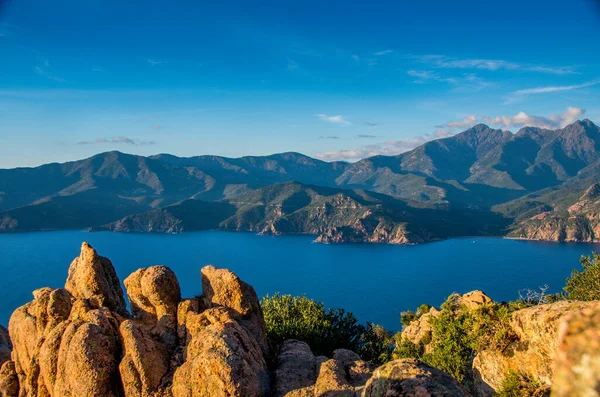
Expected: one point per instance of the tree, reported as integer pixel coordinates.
(585, 285)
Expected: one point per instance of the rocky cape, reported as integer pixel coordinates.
(481, 181)
(81, 340)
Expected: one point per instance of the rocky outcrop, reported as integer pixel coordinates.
(300, 374)
(533, 354)
(577, 361)
(409, 377)
(82, 341)
(5, 345)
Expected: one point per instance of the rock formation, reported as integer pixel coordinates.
(81, 340)
(5, 345)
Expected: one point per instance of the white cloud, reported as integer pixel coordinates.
(333, 119)
(445, 62)
(392, 148)
(44, 69)
(522, 119)
(117, 140)
(154, 62)
(466, 82)
(384, 52)
(544, 90)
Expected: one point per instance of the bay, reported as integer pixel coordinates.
(374, 281)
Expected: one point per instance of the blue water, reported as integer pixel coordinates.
(375, 282)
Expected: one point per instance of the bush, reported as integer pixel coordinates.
(585, 285)
(325, 330)
(376, 344)
(407, 349)
(407, 317)
(518, 385)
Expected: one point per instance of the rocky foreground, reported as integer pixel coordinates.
(81, 340)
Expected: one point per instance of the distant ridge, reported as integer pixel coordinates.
(479, 169)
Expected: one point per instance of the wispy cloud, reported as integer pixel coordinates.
(118, 140)
(157, 126)
(333, 119)
(155, 62)
(329, 137)
(98, 69)
(292, 65)
(559, 88)
(445, 62)
(384, 52)
(370, 124)
(366, 136)
(44, 69)
(465, 82)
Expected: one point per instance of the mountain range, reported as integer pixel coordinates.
(482, 181)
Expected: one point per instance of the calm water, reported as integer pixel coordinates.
(375, 282)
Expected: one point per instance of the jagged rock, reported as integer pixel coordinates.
(533, 354)
(9, 382)
(221, 287)
(223, 359)
(577, 362)
(5, 345)
(409, 377)
(80, 357)
(93, 277)
(357, 370)
(145, 362)
(296, 372)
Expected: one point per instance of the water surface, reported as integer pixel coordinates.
(375, 282)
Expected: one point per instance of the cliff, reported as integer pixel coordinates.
(81, 340)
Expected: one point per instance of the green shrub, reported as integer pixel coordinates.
(424, 308)
(406, 349)
(298, 317)
(408, 317)
(519, 385)
(585, 285)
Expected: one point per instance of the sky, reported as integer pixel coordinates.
(336, 80)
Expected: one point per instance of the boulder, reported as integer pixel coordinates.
(93, 278)
(472, 300)
(332, 381)
(154, 294)
(577, 362)
(420, 330)
(5, 345)
(409, 377)
(9, 382)
(296, 372)
(223, 359)
(223, 288)
(532, 355)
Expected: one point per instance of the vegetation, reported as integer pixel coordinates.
(325, 330)
(585, 285)
(518, 385)
(409, 316)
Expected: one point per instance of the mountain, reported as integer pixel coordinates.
(562, 216)
(334, 215)
(111, 185)
(481, 166)
(482, 169)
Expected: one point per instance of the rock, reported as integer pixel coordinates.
(9, 382)
(420, 330)
(296, 372)
(223, 359)
(5, 345)
(409, 377)
(357, 370)
(93, 277)
(332, 381)
(533, 354)
(577, 362)
(472, 300)
(221, 287)
(154, 294)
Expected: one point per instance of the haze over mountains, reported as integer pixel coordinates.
(494, 179)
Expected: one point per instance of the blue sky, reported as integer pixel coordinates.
(335, 79)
